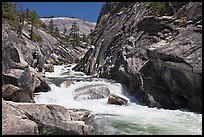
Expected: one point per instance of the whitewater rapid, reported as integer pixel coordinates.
(133, 119)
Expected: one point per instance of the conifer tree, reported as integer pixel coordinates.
(74, 34)
(65, 31)
(51, 26)
(34, 21)
(57, 33)
(22, 19)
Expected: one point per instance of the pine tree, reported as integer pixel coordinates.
(84, 38)
(34, 21)
(27, 14)
(51, 26)
(57, 33)
(22, 19)
(44, 26)
(74, 34)
(65, 31)
(74, 30)
(10, 14)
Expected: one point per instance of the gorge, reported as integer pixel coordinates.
(140, 75)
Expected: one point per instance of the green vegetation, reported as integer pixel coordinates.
(60, 63)
(157, 8)
(84, 38)
(65, 31)
(19, 18)
(37, 38)
(33, 19)
(184, 20)
(10, 14)
(16, 18)
(46, 131)
(74, 35)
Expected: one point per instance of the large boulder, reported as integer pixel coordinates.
(28, 79)
(14, 122)
(172, 87)
(117, 100)
(67, 83)
(91, 92)
(16, 94)
(44, 119)
(21, 78)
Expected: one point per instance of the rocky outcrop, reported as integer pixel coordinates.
(22, 67)
(35, 119)
(117, 100)
(17, 52)
(28, 79)
(16, 123)
(155, 56)
(91, 92)
(16, 94)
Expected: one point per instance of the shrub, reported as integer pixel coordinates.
(37, 38)
(46, 131)
(157, 8)
(60, 63)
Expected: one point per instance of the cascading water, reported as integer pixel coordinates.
(133, 119)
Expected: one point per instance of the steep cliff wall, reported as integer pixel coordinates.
(156, 52)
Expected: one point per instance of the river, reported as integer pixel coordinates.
(133, 119)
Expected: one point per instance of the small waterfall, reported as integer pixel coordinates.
(133, 119)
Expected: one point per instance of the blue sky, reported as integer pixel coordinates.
(83, 10)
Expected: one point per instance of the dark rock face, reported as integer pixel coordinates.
(35, 119)
(91, 92)
(155, 56)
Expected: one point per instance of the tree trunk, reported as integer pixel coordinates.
(31, 30)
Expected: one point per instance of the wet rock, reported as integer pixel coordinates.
(117, 100)
(67, 83)
(49, 67)
(44, 87)
(198, 28)
(57, 80)
(91, 92)
(67, 72)
(151, 102)
(67, 66)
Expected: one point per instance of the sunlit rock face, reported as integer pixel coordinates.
(84, 26)
(34, 119)
(157, 56)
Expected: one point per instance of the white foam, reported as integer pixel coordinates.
(150, 120)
